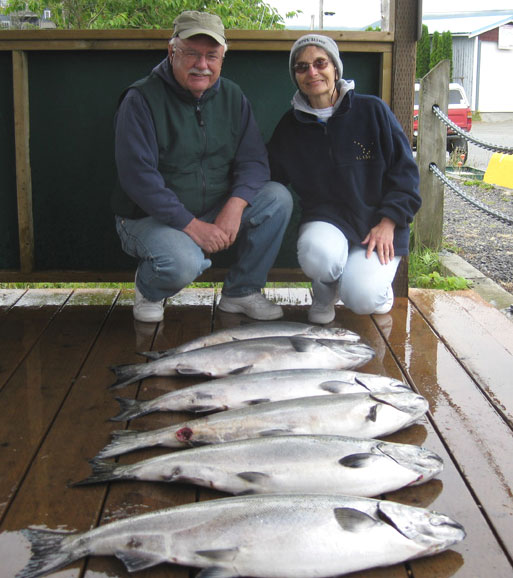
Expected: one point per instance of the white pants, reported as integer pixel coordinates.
(340, 272)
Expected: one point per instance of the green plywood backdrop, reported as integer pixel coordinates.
(9, 254)
(73, 97)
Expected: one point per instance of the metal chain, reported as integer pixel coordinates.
(496, 214)
(483, 144)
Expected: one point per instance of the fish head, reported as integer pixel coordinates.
(381, 383)
(407, 402)
(320, 332)
(360, 352)
(424, 462)
(431, 531)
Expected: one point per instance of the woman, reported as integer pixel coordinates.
(348, 159)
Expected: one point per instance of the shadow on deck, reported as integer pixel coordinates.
(55, 350)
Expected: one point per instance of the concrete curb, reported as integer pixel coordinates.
(489, 290)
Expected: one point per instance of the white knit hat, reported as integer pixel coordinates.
(325, 42)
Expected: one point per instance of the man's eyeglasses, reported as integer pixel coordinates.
(192, 56)
(318, 64)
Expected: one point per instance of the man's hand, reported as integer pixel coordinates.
(381, 238)
(230, 216)
(209, 237)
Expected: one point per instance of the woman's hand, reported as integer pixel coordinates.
(381, 238)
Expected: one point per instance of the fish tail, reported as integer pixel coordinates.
(49, 553)
(128, 373)
(122, 441)
(102, 472)
(130, 408)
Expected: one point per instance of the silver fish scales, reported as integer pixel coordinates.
(272, 536)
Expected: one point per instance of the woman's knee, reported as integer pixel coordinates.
(320, 258)
(362, 300)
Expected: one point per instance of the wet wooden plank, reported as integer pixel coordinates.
(33, 395)
(477, 439)
(481, 341)
(407, 348)
(79, 430)
(23, 325)
(187, 316)
(8, 298)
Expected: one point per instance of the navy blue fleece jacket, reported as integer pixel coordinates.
(351, 171)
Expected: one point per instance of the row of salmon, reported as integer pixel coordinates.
(299, 436)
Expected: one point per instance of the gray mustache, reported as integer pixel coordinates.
(200, 72)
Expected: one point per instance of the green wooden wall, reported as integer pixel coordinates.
(73, 97)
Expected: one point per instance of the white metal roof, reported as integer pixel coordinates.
(467, 23)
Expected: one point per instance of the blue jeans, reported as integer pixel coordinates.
(341, 271)
(169, 259)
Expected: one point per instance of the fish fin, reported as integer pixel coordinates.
(357, 460)
(135, 560)
(217, 572)
(275, 432)
(183, 370)
(331, 386)
(220, 554)
(239, 370)
(155, 354)
(352, 520)
(303, 344)
(122, 441)
(373, 413)
(129, 373)
(129, 409)
(102, 472)
(257, 401)
(204, 408)
(253, 476)
(48, 553)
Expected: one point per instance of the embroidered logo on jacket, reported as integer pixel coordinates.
(365, 152)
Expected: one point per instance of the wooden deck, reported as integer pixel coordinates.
(55, 350)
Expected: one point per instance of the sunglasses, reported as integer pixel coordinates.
(318, 64)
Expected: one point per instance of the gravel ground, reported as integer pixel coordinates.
(483, 241)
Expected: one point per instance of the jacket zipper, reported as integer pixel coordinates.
(201, 124)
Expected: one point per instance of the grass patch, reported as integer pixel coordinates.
(425, 272)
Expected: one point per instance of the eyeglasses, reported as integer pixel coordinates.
(193, 56)
(318, 64)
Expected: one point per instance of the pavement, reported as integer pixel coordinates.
(498, 133)
(490, 291)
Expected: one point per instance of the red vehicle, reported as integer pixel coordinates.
(459, 112)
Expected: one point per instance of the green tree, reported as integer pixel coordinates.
(446, 49)
(423, 53)
(104, 14)
(436, 50)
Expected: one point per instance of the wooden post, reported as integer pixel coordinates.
(431, 147)
(23, 170)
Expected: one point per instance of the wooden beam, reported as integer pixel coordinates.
(214, 275)
(22, 153)
(46, 40)
(431, 146)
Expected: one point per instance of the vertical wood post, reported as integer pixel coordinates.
(22, 153)
(404, 21)
(431, 147)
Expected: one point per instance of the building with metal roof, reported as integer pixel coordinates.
(482, 57)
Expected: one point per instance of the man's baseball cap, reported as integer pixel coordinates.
(191, 23)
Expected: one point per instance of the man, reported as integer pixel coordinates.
(193, 177)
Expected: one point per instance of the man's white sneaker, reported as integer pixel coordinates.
(147, 311)
(255, 306)
(321, 314)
